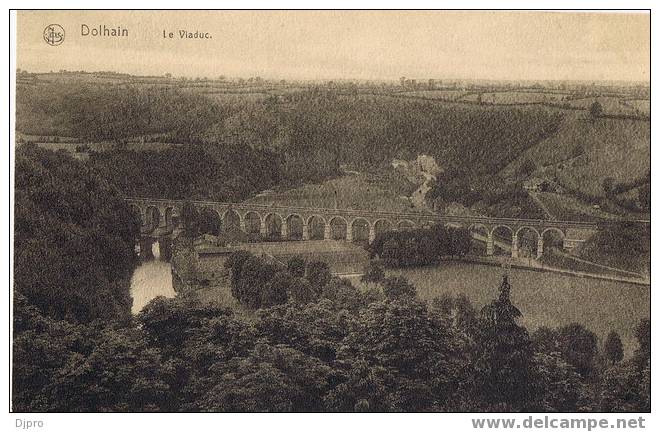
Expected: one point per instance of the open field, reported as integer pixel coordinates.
(105, 146)
(237, 97)
(353, 191)
(613, 105)
(545, 299)
(516, 97)
(447, 95)
(567, 207)
(567, 261)
(642, 105)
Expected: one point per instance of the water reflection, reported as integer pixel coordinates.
(152, 278)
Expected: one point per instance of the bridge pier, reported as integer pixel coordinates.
(305, 231)
(146, 251)
(539, 248)
(490, 244)
(327, 231)
(165, 248)
(242, 224)
(514, 246)
(284, 231)
(372, 233)
(349, 233)
(262, 228)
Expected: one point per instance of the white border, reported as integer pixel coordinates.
(290, 422)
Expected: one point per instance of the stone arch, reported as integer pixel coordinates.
(252, 223)
(405, 224)
(294, 227)
(316, 227)
(382, 225)
(137, 211)
(502, 236)
(360, 229)
(505, 227)
(551, 238)
(556, 230)
(479, 233)
(231, 220)
(153, 217)
(519, 230)
(338, 228)
(170, 215)
(527, 239)
(273, 226)
(210, 221)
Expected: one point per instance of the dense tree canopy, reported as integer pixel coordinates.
(74, 238)
(421, 246)
(304, 139)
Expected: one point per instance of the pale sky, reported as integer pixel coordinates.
(347, 44)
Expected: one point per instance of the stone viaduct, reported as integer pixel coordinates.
(160, 216)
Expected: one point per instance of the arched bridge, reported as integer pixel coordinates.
(160, 217)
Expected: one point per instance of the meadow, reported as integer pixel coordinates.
(446, 95)
(516, 97)
(545, 299)
(351, 191)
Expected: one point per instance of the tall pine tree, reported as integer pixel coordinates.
(503, 366)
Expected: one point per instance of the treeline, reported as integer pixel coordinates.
(379, 349)
(421, 246)
(222, 173)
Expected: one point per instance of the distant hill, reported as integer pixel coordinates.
(488, 147)
(584, 152)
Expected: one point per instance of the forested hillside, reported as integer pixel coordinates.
(326, 346)
(220, 173)
(309, 136)
(486, 150)
(73, 239)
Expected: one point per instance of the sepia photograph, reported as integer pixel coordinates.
(331, 211)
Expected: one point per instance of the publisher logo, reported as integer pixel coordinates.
(54, 34)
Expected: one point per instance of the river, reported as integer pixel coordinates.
(152, 278)
(545, 299)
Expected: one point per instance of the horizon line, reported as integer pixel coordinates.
(338, 79)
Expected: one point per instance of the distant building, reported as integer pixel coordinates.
(427, 164)
(542, 185)
(533, 184)
(399, 163)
